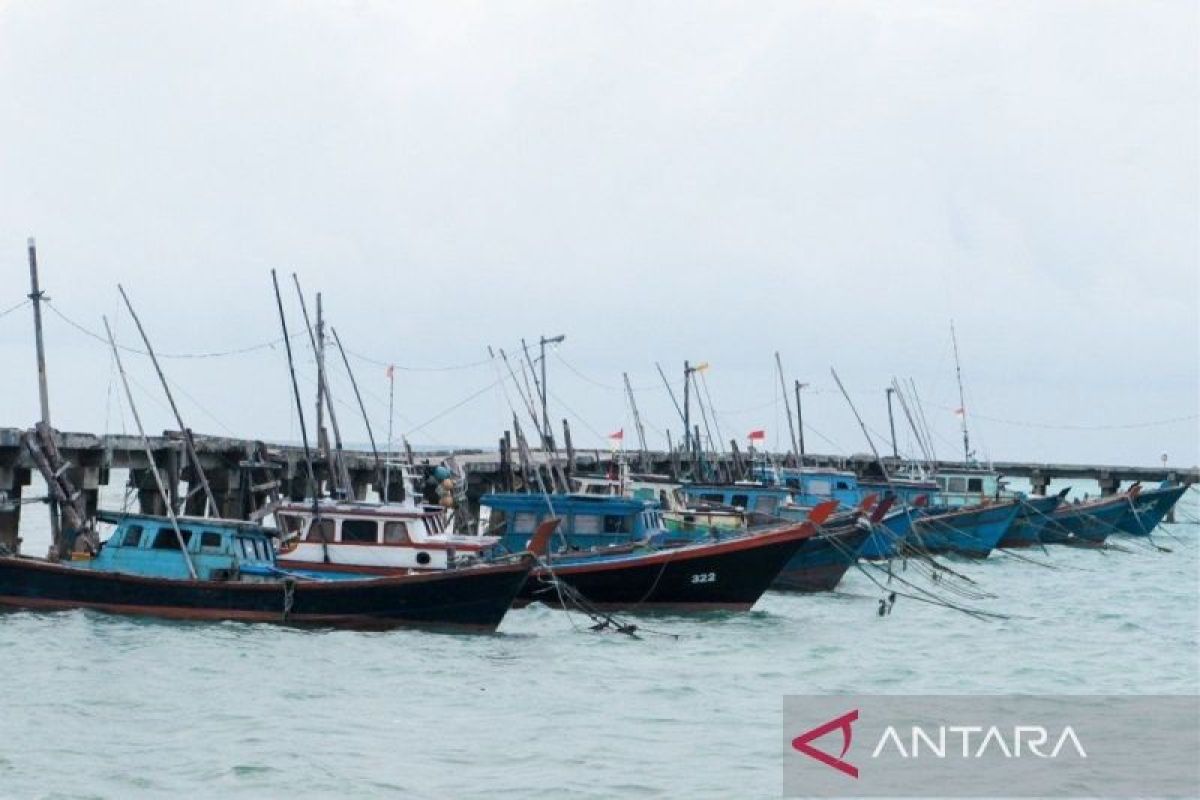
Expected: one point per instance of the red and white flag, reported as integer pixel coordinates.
(618, 435)
(960, 412)
(757, 436)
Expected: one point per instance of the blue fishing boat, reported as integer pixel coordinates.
(1149, 507)
(1087, 522)
(1026, 530)
(587, 521)
(213, 569)
(972, 531)
(616, 552)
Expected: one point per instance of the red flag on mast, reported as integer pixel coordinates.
(757, 436)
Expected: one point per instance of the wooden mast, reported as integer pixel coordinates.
(788, 407)
(312, 475)
(36, 294)
(362, 408)
(189, 443)
(643, 455)
(338, 474)
(158, 481)
(962, 402)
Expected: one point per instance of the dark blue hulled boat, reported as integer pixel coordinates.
(819, 565)
(972, 531)
(226, 570)
(639, 564)
(1149, 507)
(1088, 522)
(1026, 530)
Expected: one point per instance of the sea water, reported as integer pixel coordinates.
(93, 705)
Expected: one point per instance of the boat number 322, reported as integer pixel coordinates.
(704, 577)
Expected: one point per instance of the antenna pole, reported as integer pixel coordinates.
(962, 402)
(162, 490)
(189, 443)
(36, 294)
(387, 465)
(338, 474)
(687, 409)
(788, 406)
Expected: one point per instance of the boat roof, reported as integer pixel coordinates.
(359, 508)
(118, 517)
(598, 503)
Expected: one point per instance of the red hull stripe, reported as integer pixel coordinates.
(177, 612)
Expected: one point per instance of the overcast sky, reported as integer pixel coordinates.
(658, 181)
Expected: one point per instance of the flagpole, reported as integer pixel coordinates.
(387, 465)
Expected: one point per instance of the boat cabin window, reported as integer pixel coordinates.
(843, 485)
(496, 521)
(165, 539)
(792, 483)
(586, 523)
(249, 548)
(956, 484)
(396, 533)
(975, 484)
(133, 536)
(616, 524)
(523, 521)
(819, 487)
(942, 483)
(741, 500)
(713, 498)
(765, 504)
(210, 540)
(320, 531)
(290, 523)
(360, 531)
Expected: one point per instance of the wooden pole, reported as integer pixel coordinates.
(892, 424)
(158, 481)
(358, 396)
(36, 294)
(338, 474)
(189, 443)
(643, 455)
(800, 421)
(312, 474)
(788, 407)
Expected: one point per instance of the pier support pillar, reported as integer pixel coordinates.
(226, 487)
(12, 481)
(1108, 484)
(149, 499)
(1039, 482)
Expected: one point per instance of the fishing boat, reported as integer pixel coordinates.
(824, 561)
(213, 569)
(716, 510)
(1086, 522)
(1149, 507)
(971, 531)
(727, 574)
(1034, 515)
(373, 538)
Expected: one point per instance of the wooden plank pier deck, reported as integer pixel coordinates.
(237, 467)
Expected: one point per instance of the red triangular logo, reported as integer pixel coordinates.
(802, 743)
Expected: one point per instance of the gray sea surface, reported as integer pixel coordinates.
(93, 705)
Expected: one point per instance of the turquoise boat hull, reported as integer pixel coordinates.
(1148, 509)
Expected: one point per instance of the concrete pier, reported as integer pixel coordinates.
(239, 477)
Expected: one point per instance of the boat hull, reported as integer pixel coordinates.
(1149, 508)
(823, 560)
(1026, 530)
(1085, 523)
(470, 599)
(972, 531)
(731, 574)
(889, 535)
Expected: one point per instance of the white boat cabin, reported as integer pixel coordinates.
(372, 537)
